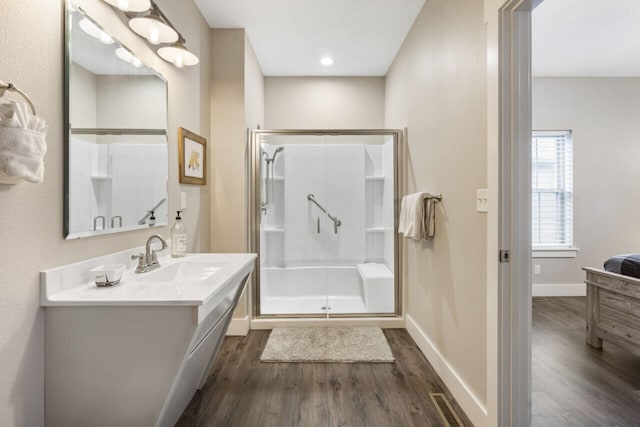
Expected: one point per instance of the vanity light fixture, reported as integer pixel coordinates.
(131, 5)
(94, 31)
(178, 55)
(153, 27)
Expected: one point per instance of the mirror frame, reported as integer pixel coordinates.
(67, 128)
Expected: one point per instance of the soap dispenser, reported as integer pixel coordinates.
(152, 219)
(178, 238)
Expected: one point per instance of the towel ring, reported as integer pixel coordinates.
(13, 88)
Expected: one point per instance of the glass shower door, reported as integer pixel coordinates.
(326, 218)
(361, 253)
(292, 227)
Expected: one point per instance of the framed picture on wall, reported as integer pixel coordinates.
(192, 156)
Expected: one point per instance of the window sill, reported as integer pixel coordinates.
(554, 252)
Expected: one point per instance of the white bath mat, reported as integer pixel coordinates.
(327, 344)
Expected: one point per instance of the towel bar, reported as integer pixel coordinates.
(13, 88)
(438, 197)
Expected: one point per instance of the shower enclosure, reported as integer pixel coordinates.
(324, 208)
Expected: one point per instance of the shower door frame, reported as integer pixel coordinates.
(254, 160)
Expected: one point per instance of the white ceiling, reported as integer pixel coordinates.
(291, 36)
(596, 38)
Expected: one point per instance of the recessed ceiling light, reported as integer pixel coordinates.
(326, 61)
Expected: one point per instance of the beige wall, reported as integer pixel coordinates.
(237, 103)
(437, 88)
(324, 102)
(603, 115)
(31, 40)
(228, 133)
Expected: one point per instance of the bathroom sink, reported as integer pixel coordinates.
(185, 271)
(162, 329)
(195, 279)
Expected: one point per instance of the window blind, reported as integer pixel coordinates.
(552, 189)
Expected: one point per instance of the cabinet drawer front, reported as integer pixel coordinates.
(221, 304)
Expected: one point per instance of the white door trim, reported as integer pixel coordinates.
(514, 280)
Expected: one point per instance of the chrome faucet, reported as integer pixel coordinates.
(149, 260)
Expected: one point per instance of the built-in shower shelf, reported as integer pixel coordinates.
(376, 229)
(100, 177)
(278, 179)
(374, 178)
(274, 230)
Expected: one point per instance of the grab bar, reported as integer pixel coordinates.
(95, 222)
(336, 222)
(113, 221)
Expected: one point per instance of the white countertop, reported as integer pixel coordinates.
(72, 285)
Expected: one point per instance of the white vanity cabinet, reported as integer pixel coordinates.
(134, 354)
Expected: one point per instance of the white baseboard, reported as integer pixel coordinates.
(559, 290)
(469, 402)
(239, 326)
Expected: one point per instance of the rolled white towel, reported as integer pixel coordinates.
(22, 144)
(18, 114)
(22, 153)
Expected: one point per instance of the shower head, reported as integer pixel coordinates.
(275, 153)
(272, 158)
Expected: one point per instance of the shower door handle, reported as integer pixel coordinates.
(318, 225)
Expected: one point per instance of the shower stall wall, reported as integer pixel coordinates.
(323, 219)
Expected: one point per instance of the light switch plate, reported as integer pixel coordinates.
(183, 200)
(482, 202)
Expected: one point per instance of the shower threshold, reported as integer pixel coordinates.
(313, 305)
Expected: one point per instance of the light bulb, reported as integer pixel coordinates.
(123, 5)
(105, 38)
(179, 61)
(136, 62)
(123, 54)
(154, 36)
(94, 31)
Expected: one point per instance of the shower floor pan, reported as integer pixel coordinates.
(313, 305)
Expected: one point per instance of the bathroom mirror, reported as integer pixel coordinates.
(116, 162)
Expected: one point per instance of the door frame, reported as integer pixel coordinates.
(254, 164)
(514, 277)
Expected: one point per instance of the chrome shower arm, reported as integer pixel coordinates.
(336, 222)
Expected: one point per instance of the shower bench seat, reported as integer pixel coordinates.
(378, 287)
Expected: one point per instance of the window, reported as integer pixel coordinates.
(552, 190)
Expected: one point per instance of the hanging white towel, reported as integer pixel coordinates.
(22, 144)
(417, 216)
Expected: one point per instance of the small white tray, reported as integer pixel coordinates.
(108, 274)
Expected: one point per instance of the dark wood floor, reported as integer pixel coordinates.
(242, 391)
(573, 383)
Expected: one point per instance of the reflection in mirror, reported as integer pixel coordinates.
(116, 165)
